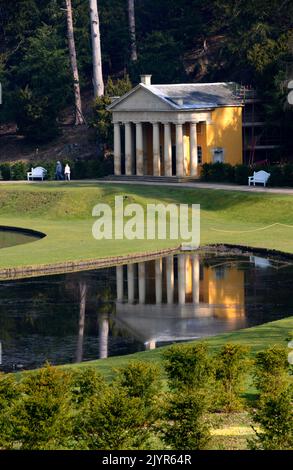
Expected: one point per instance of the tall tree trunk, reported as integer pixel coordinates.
(96, 48)
(132, 32)
(72, 52)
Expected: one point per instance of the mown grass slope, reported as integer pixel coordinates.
(64, 213)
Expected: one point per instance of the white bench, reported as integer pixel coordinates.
(259, 177)
(38, 172)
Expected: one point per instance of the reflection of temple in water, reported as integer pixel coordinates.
(116, 311)
(178, 298)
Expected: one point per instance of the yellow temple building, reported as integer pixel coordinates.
(171, 130)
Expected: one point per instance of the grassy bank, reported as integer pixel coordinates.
(229, 431)
(257, 338)
(63, 212)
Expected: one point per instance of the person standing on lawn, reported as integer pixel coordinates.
(59, 171)
(67, 172)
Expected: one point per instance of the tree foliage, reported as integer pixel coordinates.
(219, 40)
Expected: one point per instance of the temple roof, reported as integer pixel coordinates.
(191, 95)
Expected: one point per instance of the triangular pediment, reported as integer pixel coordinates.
(140, 99)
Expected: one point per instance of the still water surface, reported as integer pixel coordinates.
(94, 314)
(10, 237)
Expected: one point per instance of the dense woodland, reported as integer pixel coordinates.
(249, 42)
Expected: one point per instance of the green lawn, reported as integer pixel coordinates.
(63, 212)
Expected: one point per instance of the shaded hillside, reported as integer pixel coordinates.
(72, 142)
(177, 41)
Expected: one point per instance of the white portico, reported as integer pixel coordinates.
(157, 128)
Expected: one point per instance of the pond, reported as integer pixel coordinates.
(95, 314)
(10, 236)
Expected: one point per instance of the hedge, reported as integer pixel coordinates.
(281, 175)
(80, 169)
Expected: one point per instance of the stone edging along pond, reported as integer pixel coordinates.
(81, 265)
(84, 265)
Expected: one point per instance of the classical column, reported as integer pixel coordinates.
(141, 283)
(128, 149)
(156, 149)
(103, 335)
(119, 283)
(167, 149)
(170, 279)
(158, 264)
(195, 279)
(185, 155)
(179, 151)
(130, 282)
(181, 279)
(193, 150)
(117, 149)
(139, 149)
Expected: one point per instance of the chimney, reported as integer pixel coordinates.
(146, 79)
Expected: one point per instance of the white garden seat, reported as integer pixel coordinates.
(259, 177)
(38, 172)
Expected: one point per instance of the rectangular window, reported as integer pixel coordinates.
(218, 155)
(199, 155)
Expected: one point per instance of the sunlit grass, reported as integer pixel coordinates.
(64, 213)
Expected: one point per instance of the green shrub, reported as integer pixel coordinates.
(277, 176)
(271, 369)
(41, 418)
(51, 169)
(112, 421)
(242, 172)
(205, 172)
(5, 172)
(184, 426)
(288, 175)
(140, 379)
(80, 170)
(231, 369)
(188, 366)
(19, 171)
(218, 172)
(9, 392)
(85, 384)
(274, 415)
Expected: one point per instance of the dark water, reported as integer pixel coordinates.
(94, 314)
(10, 237)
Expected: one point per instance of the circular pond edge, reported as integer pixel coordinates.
(26, 231)
(85, 265)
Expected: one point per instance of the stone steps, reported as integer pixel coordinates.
(152, 179)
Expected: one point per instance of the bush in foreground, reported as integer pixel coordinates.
(183, 426)
(40, 417)
(188, 366)
(274, 416)
(271, 370)
(232, 366)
